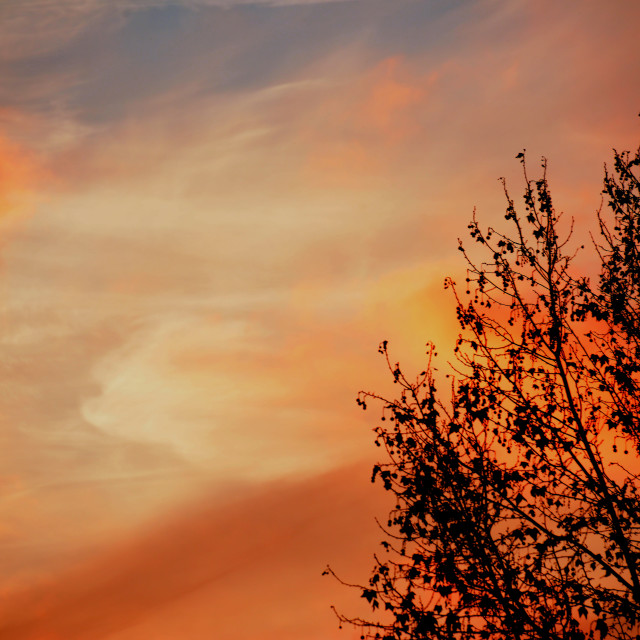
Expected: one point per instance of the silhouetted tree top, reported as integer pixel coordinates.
(517, 511)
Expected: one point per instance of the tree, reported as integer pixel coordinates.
(517, 508)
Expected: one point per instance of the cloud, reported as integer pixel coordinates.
(194, 573)
(20, 175)
(367, 122)
(95, 61)
(197, 384)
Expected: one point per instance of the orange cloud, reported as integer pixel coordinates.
(364, 124)
(389, 95)
(19, 174)
(195, 575)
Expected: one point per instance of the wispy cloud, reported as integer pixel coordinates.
(262, 550)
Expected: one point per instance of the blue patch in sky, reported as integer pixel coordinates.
(134, 55)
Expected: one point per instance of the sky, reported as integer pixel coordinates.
(211, 213)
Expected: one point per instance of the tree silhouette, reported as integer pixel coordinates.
(517, 510)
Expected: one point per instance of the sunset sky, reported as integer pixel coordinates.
(211, 213)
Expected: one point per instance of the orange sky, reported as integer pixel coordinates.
(211, 213)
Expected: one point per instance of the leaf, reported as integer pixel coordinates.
(602, 627)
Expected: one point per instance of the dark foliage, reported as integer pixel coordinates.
(517, 498)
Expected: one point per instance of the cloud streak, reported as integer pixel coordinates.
(260, 550)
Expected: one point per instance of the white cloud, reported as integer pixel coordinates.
(177, 383)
